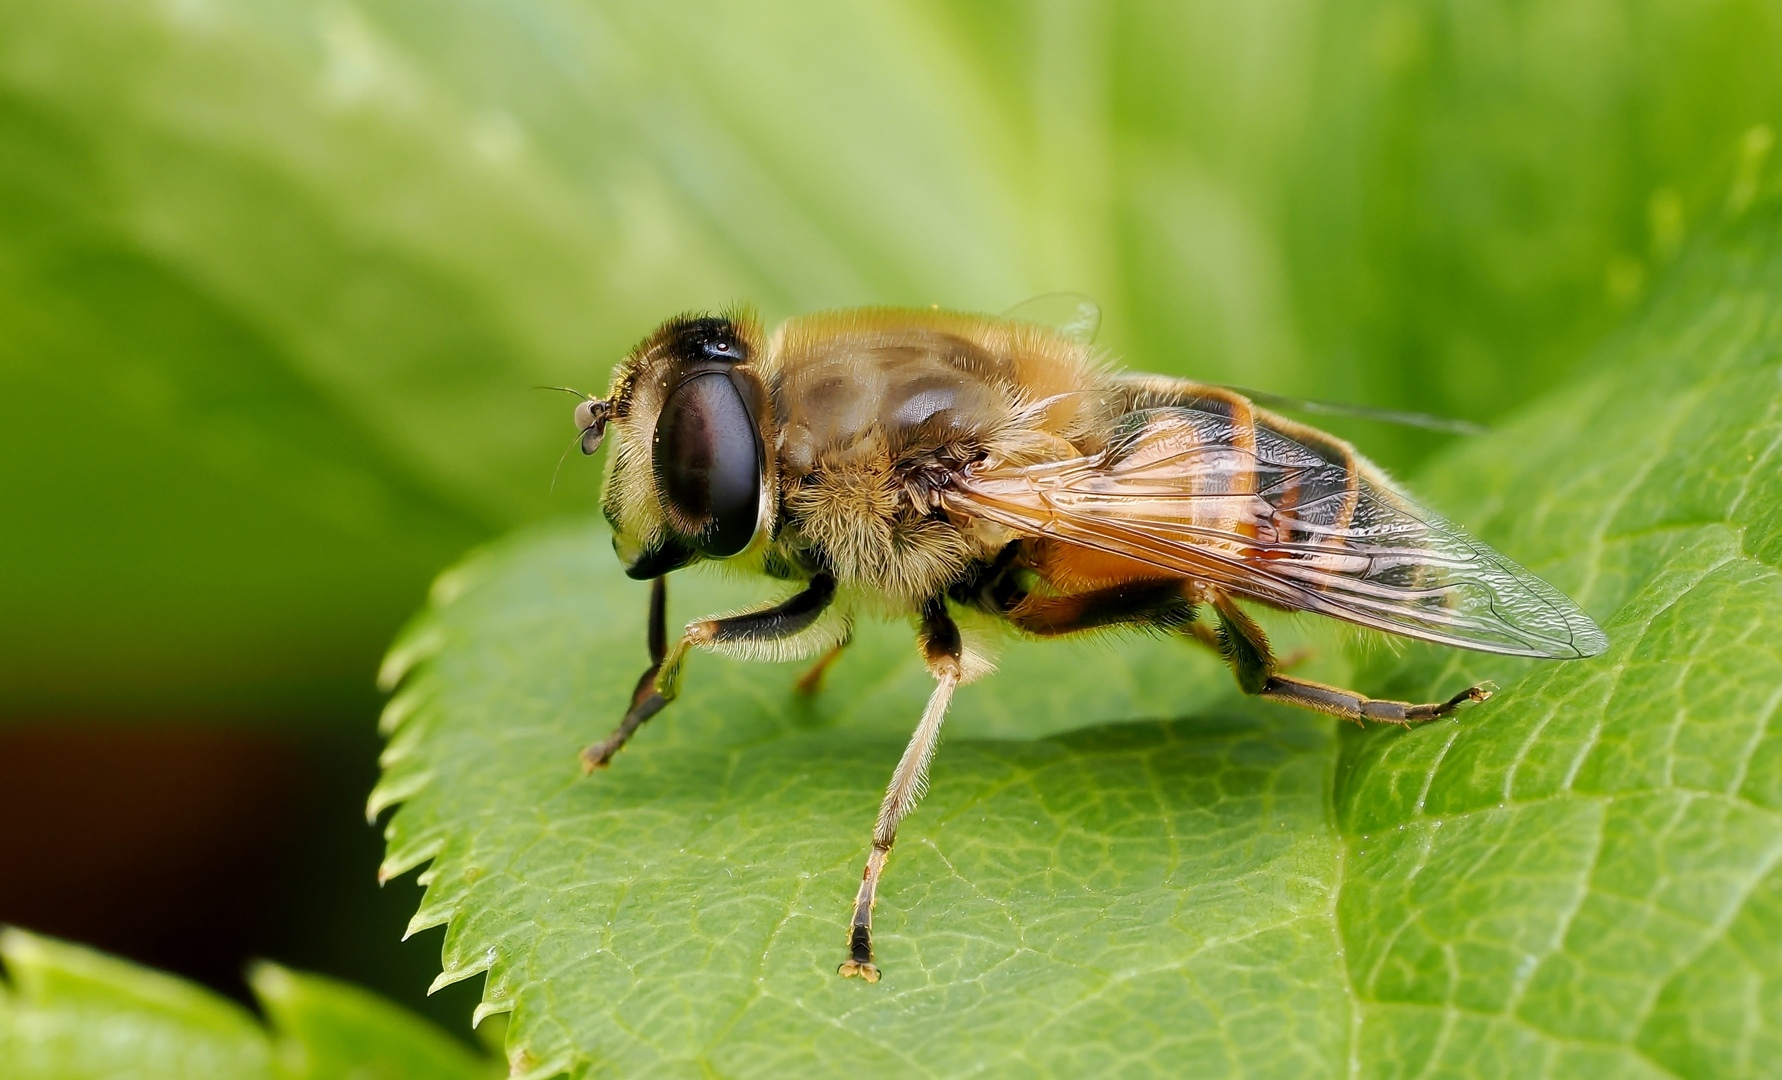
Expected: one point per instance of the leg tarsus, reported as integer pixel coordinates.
(645, 702)
(1352, 706)
(859, 962)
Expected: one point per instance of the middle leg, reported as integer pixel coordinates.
(943, 651)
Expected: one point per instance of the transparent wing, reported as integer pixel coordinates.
(1265, 516)
(1447, 424)
(1076, 317)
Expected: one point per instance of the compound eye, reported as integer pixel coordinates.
(708, 464)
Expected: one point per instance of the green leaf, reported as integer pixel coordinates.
(1590, 880)
(326, 1029)
(1578, 878)
(72, 1013)
(76, 1013)
(195, 516)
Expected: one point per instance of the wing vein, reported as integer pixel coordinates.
(1261, 515)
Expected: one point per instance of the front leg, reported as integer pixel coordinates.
(943, 650)
(764, 634)
(645, 701)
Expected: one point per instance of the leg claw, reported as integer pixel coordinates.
(1471, 695)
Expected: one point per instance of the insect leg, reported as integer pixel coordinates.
(812, 680)
(1204, 634)
(995, 589)
(1352, 706)
(645, 701)
(1153, 603)
(942, 649)
(1245, 647)
(750, 632)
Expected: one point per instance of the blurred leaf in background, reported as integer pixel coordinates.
(73, 1014)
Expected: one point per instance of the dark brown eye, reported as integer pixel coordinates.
(708, 463)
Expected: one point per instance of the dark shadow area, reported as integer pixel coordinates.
(197, 849)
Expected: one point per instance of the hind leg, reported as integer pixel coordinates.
(1352, 706)
(1245, 647)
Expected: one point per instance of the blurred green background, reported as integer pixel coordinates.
(276, 279)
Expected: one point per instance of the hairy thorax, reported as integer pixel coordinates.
(872, 413)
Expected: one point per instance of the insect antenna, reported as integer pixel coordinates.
(565, 456)
(559, 469)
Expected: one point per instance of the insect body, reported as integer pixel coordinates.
(924, 463)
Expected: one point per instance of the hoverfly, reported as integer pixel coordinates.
(917, 463)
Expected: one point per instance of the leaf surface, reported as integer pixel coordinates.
(1122, 868)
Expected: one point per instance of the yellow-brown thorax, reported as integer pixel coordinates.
(870, 405)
